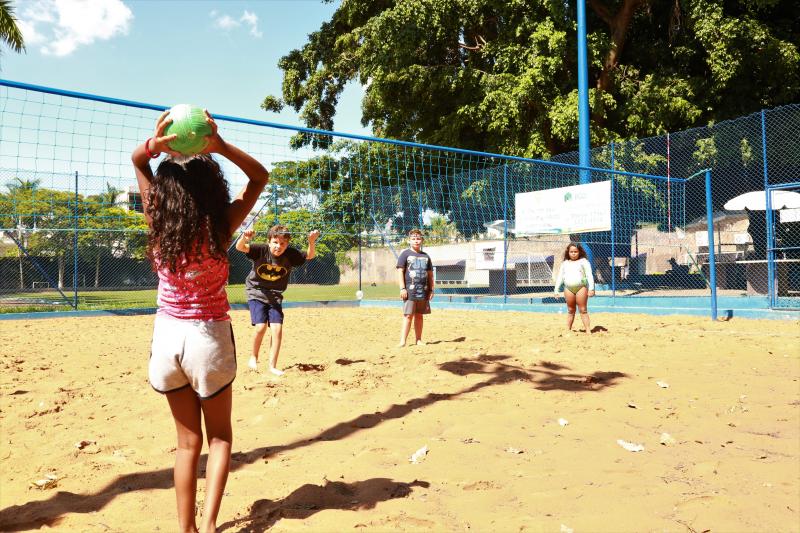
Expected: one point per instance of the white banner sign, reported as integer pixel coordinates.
(575, 209)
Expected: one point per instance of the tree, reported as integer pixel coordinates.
(18, 210)
(10, 33)
(500, 75)
(442, 230)
(108, 231)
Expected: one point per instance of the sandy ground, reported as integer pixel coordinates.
(327, 446)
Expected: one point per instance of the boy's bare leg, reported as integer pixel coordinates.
(276, 334)
(418, 322)
(257, 338)
(404, 329)
(217, 415)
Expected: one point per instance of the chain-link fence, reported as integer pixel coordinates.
(757, 249)
(73, 233)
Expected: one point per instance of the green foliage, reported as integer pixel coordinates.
(10, 34)
(706, 153)
(500, 75)
(441, 231)
(44, 221)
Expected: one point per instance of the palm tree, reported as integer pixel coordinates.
(9, 31)
(19, 185)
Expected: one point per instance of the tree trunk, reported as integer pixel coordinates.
(61, 267)
(21, 274)
(97, 270)
(618, 24)
(19, 255)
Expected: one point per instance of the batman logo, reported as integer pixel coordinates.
(270, 272)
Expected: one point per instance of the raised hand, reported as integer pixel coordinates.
(215, 142)
(160, 142)
(313, 235)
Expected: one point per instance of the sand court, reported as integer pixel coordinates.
(514, 424)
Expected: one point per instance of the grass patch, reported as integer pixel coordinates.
(47, 301)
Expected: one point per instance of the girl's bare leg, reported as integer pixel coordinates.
(185, 407)
(570, 299)
(217, 415)
(582, 299)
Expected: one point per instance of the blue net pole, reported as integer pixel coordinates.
(769, 218)
(712, 264)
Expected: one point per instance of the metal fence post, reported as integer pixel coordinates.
(75, 248)
(613, 236)
(712, 263)
(505, 234)
(770, 236)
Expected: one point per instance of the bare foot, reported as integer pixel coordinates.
(420, 342)
(401, 345)
(276, 371)
(253, 363)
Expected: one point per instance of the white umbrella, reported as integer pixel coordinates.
(757, 201)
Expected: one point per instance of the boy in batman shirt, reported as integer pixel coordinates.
(272, 264)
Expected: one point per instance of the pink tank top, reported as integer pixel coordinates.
(197, 290)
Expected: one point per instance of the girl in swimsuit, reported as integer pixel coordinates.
(575, 274)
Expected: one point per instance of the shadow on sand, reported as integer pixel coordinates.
(544, 376)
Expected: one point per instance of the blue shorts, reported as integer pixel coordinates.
(264, 313)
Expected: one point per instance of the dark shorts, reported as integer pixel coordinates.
(416, 307)
(264, 313)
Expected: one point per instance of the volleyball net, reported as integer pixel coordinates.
(72, 232)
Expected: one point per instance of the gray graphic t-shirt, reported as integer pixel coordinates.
(416, 266)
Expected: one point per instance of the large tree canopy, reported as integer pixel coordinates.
(501, 75)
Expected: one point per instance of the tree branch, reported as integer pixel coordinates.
(618, 25)
(480, 42)
(601, 10)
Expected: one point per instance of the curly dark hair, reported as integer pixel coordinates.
(188, 206)
(581, 251)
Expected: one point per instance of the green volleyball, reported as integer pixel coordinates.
(190, 126)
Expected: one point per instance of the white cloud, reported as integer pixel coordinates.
(61, 26)
(227, 23)
(251, 19)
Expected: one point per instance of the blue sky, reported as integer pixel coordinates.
(221, 55)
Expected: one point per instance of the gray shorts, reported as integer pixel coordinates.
(199, 354)
(417, 307)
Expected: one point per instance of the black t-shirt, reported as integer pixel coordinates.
(416, 266)
(270, 274)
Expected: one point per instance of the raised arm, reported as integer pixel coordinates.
(312, 244)
(146, 151)
(243, 242)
